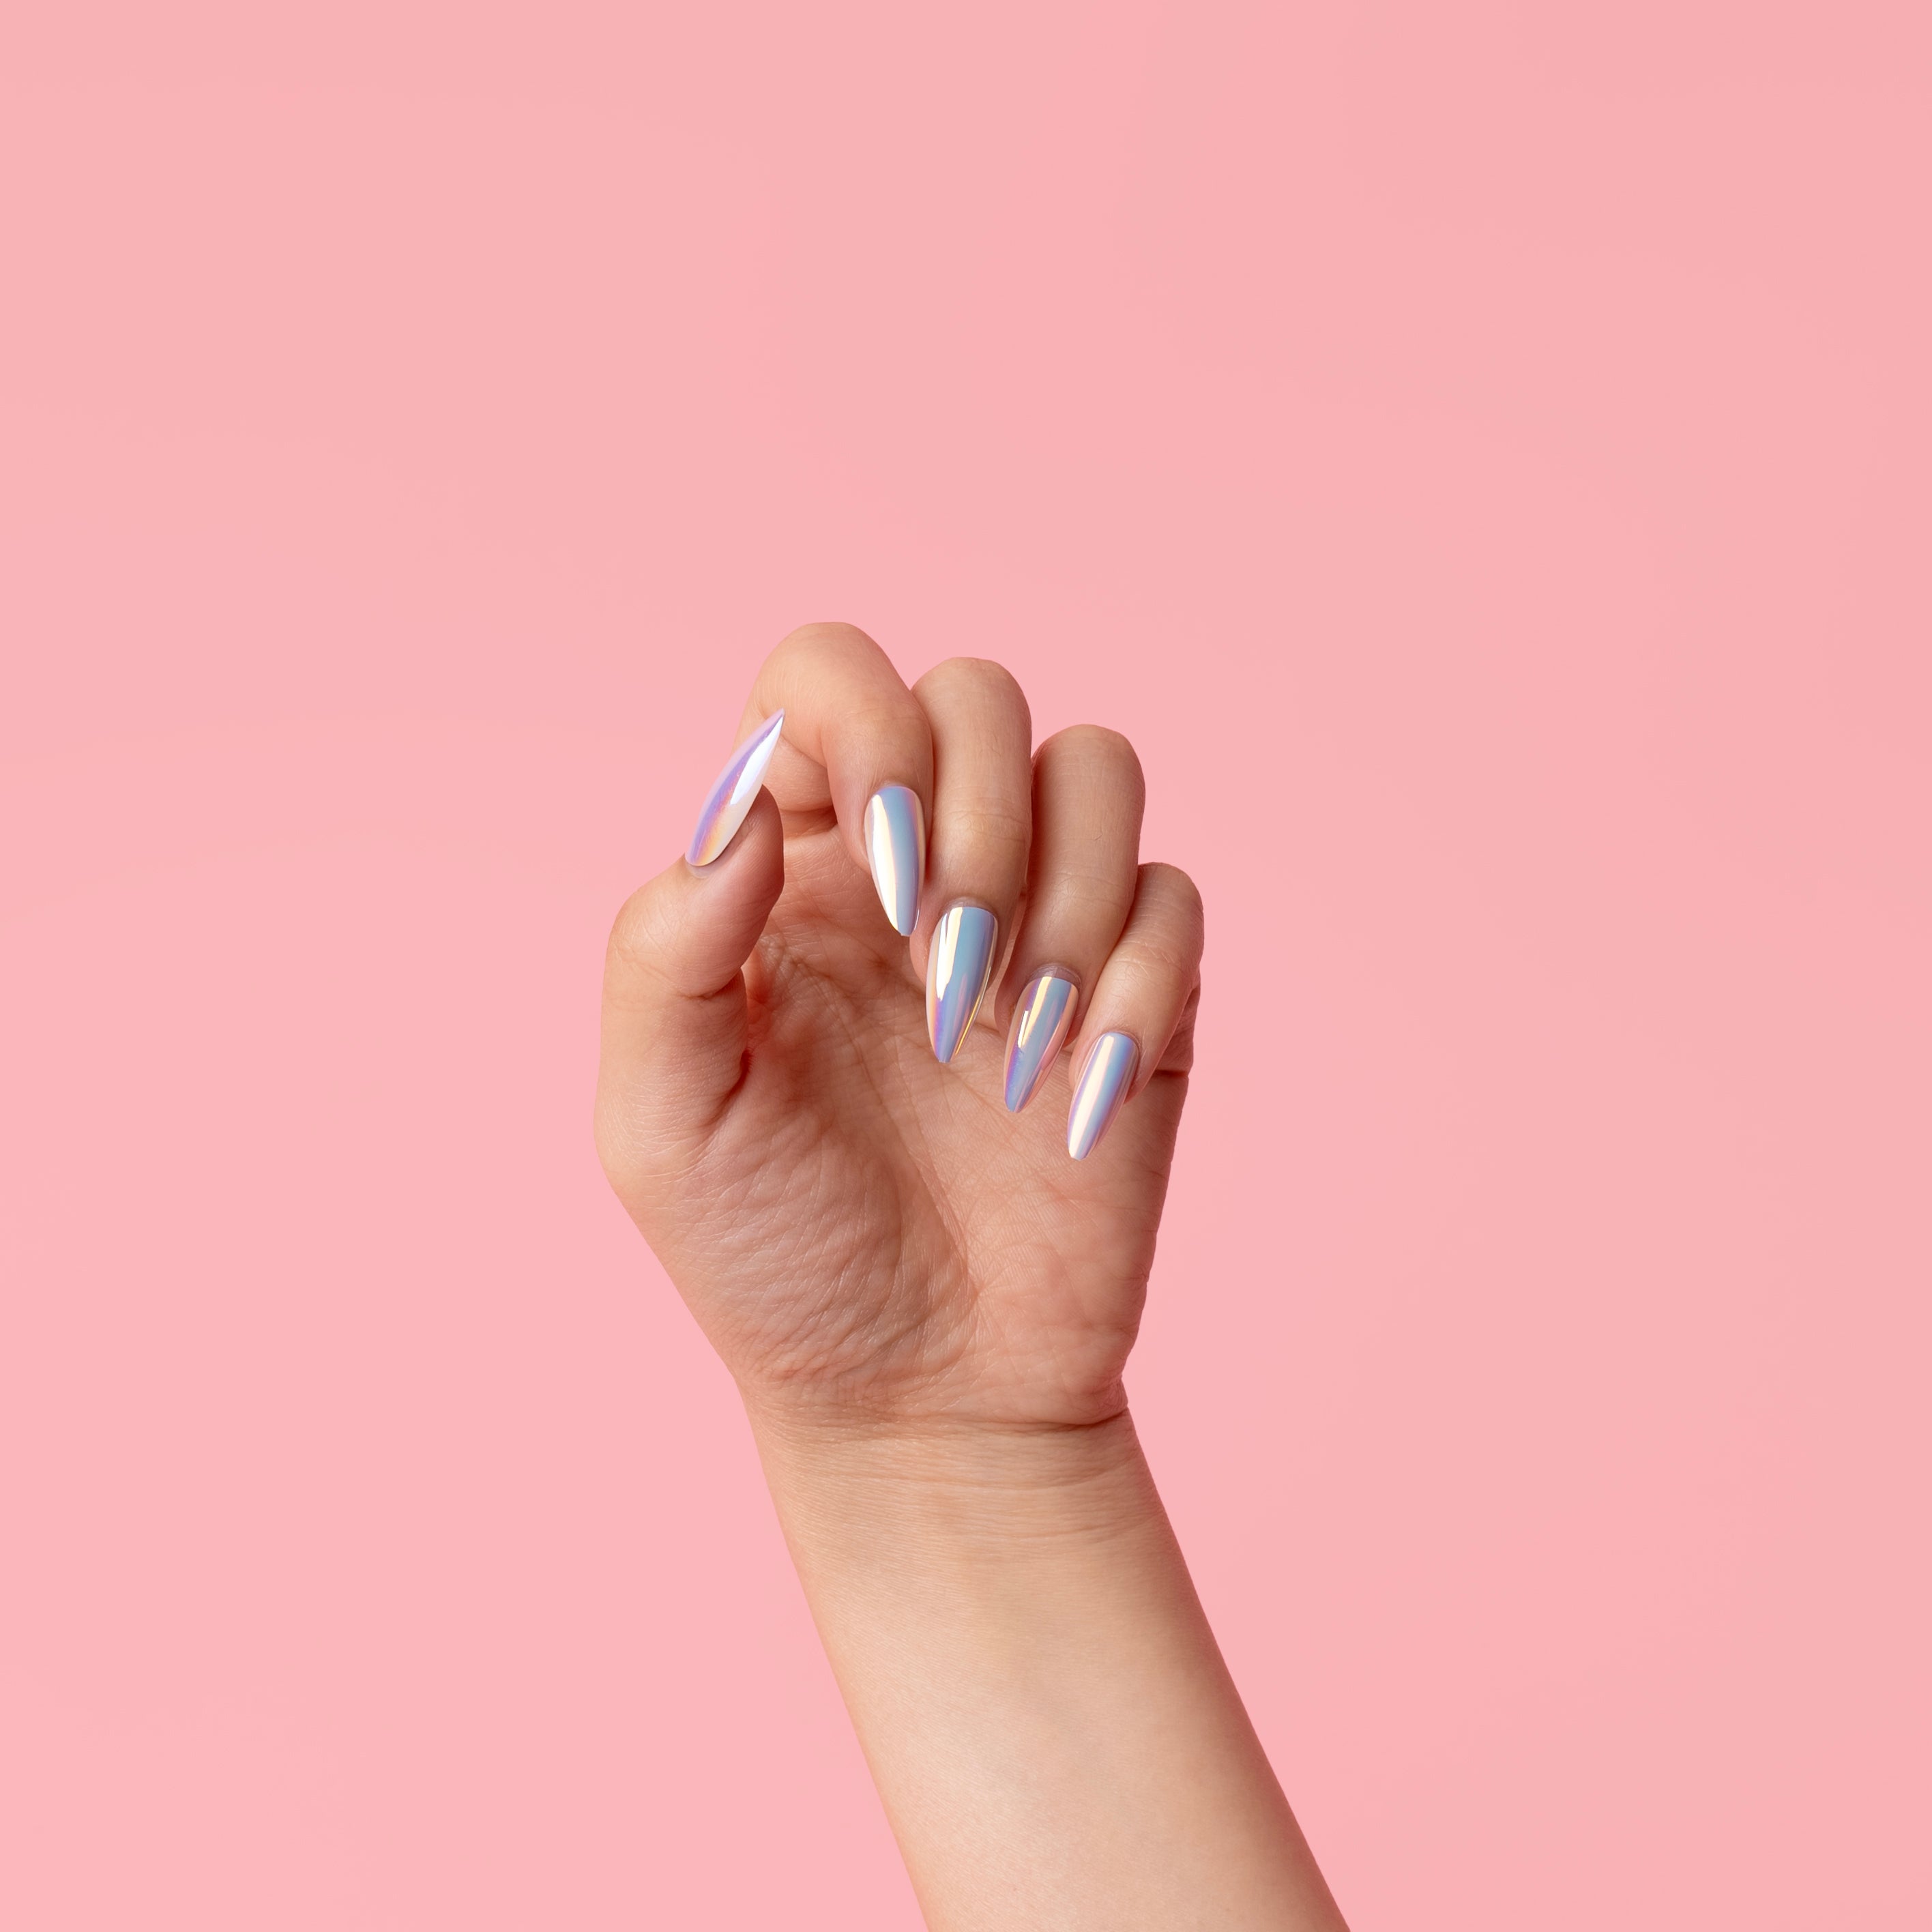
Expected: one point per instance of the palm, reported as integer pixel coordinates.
(877, 1225)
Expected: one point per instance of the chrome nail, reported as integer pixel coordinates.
(1102, 1085)
(1036, 1034)
(956, 973)
(734, 794)
(895, 847)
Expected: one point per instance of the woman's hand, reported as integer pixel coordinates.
(867, 1231)
(924, 1260)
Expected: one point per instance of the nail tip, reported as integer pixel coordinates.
(1022, 1085)
(733, 794)
(946, 1045)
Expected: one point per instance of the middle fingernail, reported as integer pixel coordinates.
(1040, 1023)
(896, 849)
(956, 973)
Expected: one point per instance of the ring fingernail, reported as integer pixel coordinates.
(1102, 1085)
(1040, 1023)
(896, 849)
(956, 973)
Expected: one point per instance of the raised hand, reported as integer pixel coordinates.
(919, 1230)
(875, 1201)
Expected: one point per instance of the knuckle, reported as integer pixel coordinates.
(1160, 961)
(1087, 886)
(811, 640)
(980, 678)
(882, 718)
(811, 652)
(1179, 1057)
(1094, 745)
(996, 837)
(1164, 938)
(1173, 891)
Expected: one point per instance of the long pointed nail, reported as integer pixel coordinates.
(1039, 1029)
(956, 973)
(1102, 1085)
(734, 794)
(896, 846)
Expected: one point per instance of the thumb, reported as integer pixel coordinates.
(674, 1001)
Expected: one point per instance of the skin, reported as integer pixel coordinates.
(929, 1306)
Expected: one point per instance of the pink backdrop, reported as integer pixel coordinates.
(1483, 456)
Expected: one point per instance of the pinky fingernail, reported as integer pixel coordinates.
(734, 794)
(1105, 1078)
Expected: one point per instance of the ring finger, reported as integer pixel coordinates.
(1087, 796)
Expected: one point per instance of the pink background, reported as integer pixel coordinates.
(1483, 456)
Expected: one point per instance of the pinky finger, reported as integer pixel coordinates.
(1144, 991)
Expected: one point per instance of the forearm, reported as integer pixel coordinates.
(1055, 1736)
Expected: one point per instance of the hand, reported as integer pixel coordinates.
(864, 1232)
(928, 1294)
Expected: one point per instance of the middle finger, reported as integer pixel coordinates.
(982, 828)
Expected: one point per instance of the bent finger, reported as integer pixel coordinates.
(981, 830)
(1145, 993)
(1081, 877)
(857, 753)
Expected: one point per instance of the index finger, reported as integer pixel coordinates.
(857, 750)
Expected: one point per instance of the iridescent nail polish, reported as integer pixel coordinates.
(896, 848)
(956, 973)
(1102, 1085)
(734, 794)
(1036, 1034)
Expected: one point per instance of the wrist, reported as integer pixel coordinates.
(970, 1487)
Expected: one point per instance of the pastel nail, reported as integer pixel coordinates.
(735, 793)
(1102, 1085)
(895, 847)
(956, 973)
(1038, 1031)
